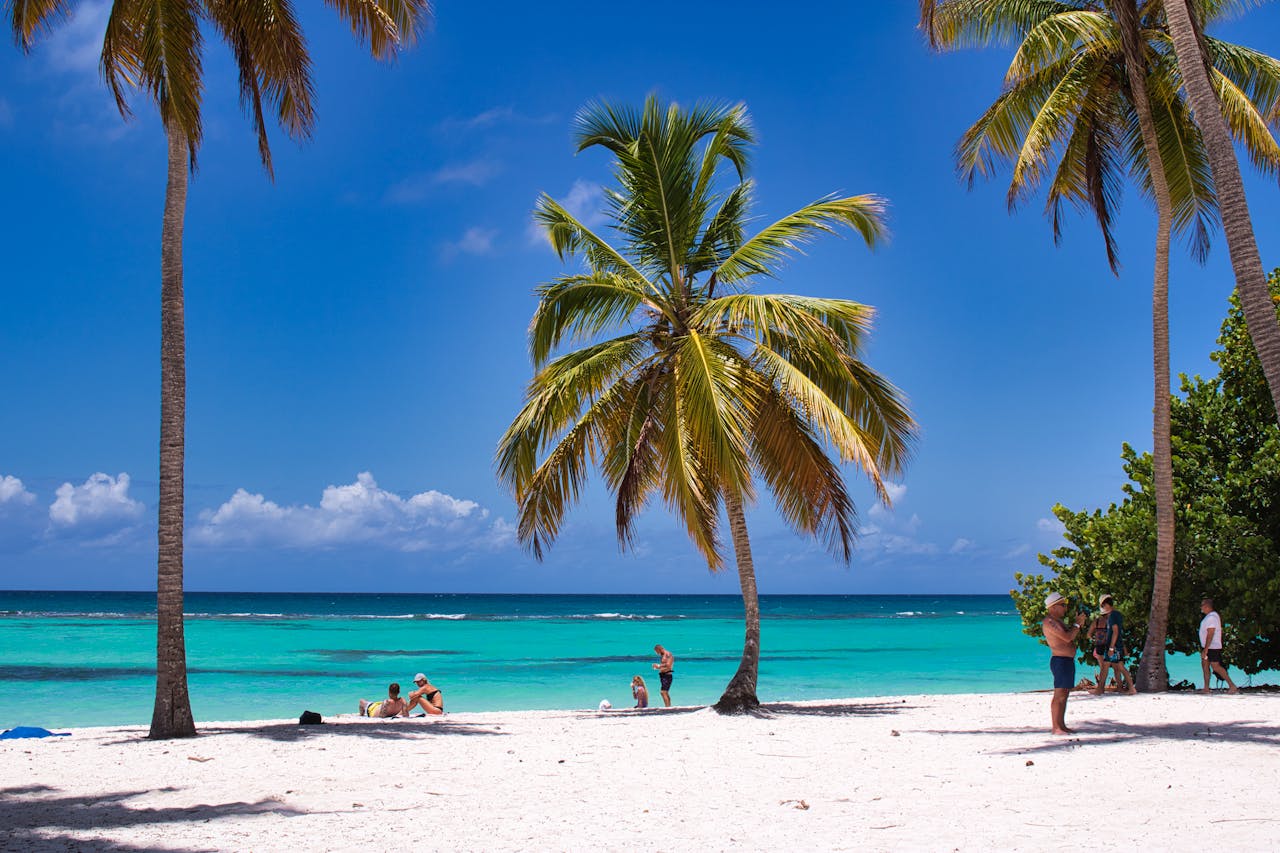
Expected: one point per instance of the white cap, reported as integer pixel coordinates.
(1053, 598)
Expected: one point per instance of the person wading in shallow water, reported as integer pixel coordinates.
(1062, 645)
(666, 662)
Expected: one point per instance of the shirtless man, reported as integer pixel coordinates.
(392, 706)
(427, 696)
(1062, 645)
(666, 662)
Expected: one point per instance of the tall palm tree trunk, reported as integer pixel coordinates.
(1152, 675)
(740, 695)
(172, 715)
(1251, 280)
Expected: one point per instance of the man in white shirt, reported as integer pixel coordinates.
(1211, 646)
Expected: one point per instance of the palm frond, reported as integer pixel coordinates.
(954, 24)
(156, 45)
(580, 307)
(716, 402)
(808, 488)
(385, 25)
(570, 237)
(556, 397)
(31, 18)
(1061, 36)
(833, 325)
(761, 254)
(1090, 177)
(1248, 124)
(271, 54)
(1054, 123)
(689, 487)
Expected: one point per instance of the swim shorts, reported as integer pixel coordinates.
(1064, 672)
(664, 678)
(1214, 655)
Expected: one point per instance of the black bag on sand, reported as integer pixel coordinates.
(309, 718)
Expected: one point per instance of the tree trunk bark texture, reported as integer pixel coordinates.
(1251, 280)
(1152, 674)
(740, 694)
(172, 716)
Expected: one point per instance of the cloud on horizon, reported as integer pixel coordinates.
(360, 513)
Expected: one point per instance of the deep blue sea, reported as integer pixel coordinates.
(88, 658)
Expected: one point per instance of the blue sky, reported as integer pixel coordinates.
(356, 330)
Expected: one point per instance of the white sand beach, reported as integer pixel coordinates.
(1172, 772)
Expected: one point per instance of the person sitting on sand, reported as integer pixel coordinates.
(639, 691)
(1062, 647)
(392, 706)
(427, 696)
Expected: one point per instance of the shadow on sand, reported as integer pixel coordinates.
(1111, 732)
(38, 817)
(390, 729)
(769, 710)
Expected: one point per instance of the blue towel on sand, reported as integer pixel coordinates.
(30, 731)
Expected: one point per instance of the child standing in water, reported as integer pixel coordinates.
(639, 691)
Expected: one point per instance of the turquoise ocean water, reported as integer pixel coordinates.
(88, 658)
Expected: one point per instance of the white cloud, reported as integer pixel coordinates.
(895, 490)
(418, 187)
(1018, 551)
(476, 241)
(475, 173)
(76, 45)
(960, 546)
(585, 200)
(1051, 526)
(891, 536)
(101, 502)
(13, 492)
(360, 513)
(21, 521)
(487, 118)
(490, 118)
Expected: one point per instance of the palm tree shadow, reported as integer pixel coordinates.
(656, 711)
(392, 729)
(1112, 732)
(833, 709)
(38, 817)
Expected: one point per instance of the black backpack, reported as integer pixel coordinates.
(309, 718)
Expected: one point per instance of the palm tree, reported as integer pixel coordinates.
(684, 383)
(1212, 99)
(1093, 83)
(157, 46)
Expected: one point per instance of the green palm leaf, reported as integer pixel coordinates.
(761, 254)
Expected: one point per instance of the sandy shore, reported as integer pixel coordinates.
(1172, 771)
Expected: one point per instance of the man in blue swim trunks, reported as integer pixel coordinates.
(1062, 645)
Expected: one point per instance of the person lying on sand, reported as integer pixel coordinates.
(427, 696)
(392, 706)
